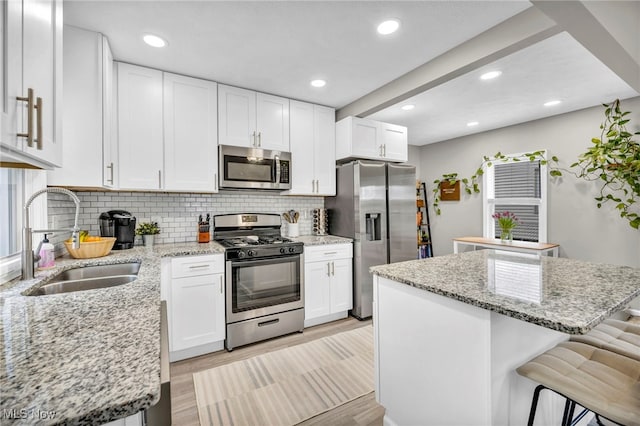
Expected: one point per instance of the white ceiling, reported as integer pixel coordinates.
(556, 68)
(279, 46)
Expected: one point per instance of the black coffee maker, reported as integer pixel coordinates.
(120, 224)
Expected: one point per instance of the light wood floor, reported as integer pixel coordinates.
(363, 411)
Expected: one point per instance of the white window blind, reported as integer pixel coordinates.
(517, 180)
(518, 187)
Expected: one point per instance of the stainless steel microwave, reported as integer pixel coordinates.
(254, 168)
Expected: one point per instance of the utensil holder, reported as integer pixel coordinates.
(293, 229)
(320, 222)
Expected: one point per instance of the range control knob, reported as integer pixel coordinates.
(282, 250)
(291, 249)
(251, 253)
(241, 254)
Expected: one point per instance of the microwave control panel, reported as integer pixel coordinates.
(284, 171)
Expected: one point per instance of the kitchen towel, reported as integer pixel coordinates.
(289, 385)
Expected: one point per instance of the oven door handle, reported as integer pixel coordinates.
(265, 260)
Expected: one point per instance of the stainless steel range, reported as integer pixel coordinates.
(264, 278)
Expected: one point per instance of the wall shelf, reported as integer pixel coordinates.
(423, 232)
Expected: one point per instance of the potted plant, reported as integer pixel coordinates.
(148, 230)
(507, 221)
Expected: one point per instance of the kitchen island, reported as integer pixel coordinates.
(86, 357)
(451, 330)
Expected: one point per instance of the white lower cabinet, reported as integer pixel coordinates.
(193, 287)
(328, 274)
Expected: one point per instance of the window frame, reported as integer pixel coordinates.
(489, 201)
(29, 181)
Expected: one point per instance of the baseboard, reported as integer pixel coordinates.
(325, 318)
(196, 351)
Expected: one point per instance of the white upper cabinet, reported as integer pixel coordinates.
(236, 116)
(324, 131)
(88, 86)
(109, 129)
(272, 122)
(394, 142)
(369, 139)
(190, 134)
(167, 135)
(250, 119)
(140, 146)
(32, 63)
(312, 134)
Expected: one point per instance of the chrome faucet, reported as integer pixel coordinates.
(28, 256)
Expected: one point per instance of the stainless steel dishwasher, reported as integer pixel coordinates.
(160, 413)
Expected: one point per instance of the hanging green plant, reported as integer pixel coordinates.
(471, 184)
(614, 159)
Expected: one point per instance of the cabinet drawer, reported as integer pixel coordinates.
(197, 265)
(327, 252)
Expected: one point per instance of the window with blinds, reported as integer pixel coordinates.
(517, 187)
(519, 180)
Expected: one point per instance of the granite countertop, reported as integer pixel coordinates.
(89, 356)
(316, 240)
(562, 294)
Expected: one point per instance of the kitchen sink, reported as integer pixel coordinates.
(90, 278)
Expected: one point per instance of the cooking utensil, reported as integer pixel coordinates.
(287, 217)
(296, 216)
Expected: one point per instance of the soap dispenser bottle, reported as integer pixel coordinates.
(47, 257)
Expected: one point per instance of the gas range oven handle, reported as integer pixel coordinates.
(277, 176)
(265, 260)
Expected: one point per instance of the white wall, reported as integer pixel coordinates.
(582, 230)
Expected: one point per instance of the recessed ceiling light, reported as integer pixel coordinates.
(154, 41)
(490, 75)
(318, 83)
(472, 123)
(552, 103)
(408, 107)
(388, 27)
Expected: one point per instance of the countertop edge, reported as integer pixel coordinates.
(565, 327)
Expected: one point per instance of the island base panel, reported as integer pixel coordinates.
(444, 362)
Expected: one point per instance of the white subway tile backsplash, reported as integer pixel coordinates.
(176, 213)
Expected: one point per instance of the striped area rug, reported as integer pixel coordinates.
(290, 385)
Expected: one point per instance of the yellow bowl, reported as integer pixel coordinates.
(91, 249)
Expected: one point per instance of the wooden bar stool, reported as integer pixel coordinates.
(616, 336)
(599, 380)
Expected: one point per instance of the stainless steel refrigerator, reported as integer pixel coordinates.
(375, 204)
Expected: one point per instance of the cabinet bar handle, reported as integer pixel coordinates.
(384, 150)
(381, 154)
(259, 139)
(328, 269)
(333, 269)
(254, 139)
(29, 100)
(330, 252)
(110, 167)
(198, 266)
(39, 138)
(159, 179)
(215, 181)
(220, 284)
